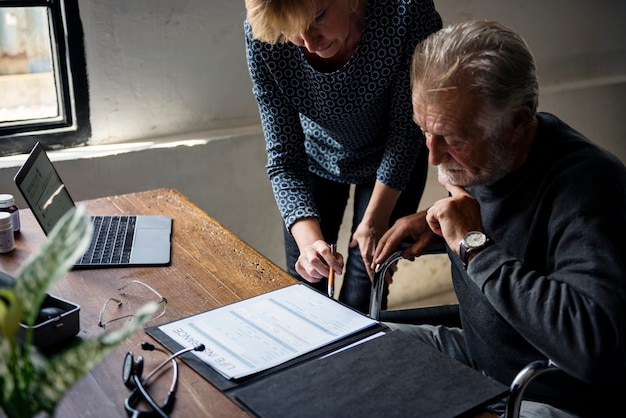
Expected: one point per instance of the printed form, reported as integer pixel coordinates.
(259, 333)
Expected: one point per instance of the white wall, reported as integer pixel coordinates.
(163, 69)
(580, 50)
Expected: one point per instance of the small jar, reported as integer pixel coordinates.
(7, 204)
(7, 240)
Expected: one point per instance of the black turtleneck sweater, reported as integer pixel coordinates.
(553, 286)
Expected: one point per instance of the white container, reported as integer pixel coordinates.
(7, 204)
(7, 239)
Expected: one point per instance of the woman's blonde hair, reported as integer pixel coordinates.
(275, 21)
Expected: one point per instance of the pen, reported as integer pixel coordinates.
(331, 273)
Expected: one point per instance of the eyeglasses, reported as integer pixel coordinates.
(162, 301)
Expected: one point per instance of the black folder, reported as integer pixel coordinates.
(392, 375)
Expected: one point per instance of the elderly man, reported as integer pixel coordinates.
(535, 225)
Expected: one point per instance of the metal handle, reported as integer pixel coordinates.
(378, 282)
(522, 379)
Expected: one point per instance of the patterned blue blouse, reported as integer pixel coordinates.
(351, 125)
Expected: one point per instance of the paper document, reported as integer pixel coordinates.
(256, 334)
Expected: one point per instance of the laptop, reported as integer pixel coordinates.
(117, 241)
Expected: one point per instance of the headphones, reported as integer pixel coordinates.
(131, 375)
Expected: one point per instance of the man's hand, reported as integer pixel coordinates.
(411, 227)
(452, 217)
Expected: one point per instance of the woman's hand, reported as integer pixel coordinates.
(366, 237)
(315, 261)
(374, 223)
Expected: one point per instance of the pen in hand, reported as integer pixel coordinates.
(331, 273)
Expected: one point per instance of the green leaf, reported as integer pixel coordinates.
(67, 241)
(10, 313)
(29, 382)
(60, 372)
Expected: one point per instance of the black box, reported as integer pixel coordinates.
(57, 321)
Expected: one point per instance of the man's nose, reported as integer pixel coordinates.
(437, 149)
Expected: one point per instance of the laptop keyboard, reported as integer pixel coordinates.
(112, 240)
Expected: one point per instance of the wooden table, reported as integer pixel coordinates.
(210, 267)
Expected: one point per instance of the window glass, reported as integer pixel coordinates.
(27, 77)
(44, 96)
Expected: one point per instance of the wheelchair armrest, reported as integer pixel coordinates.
(381, 270)
(522, 379)
(378, 281)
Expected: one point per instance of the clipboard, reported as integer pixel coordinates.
(367, 372)
(291, 324)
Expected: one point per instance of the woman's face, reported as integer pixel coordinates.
(328, 34)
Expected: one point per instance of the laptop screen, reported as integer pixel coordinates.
(43, 190)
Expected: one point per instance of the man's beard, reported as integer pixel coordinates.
(500, 163)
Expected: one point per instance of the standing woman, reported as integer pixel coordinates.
(331, 79)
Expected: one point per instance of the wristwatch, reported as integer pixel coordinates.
(472, 242)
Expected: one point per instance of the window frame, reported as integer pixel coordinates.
(72, 127)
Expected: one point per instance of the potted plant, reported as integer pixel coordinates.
(32, 383)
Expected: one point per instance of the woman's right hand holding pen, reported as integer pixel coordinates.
(316, 256)
(316, 259)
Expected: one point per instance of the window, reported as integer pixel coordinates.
(43, 80)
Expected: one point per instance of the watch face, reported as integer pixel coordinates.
(475, 239)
